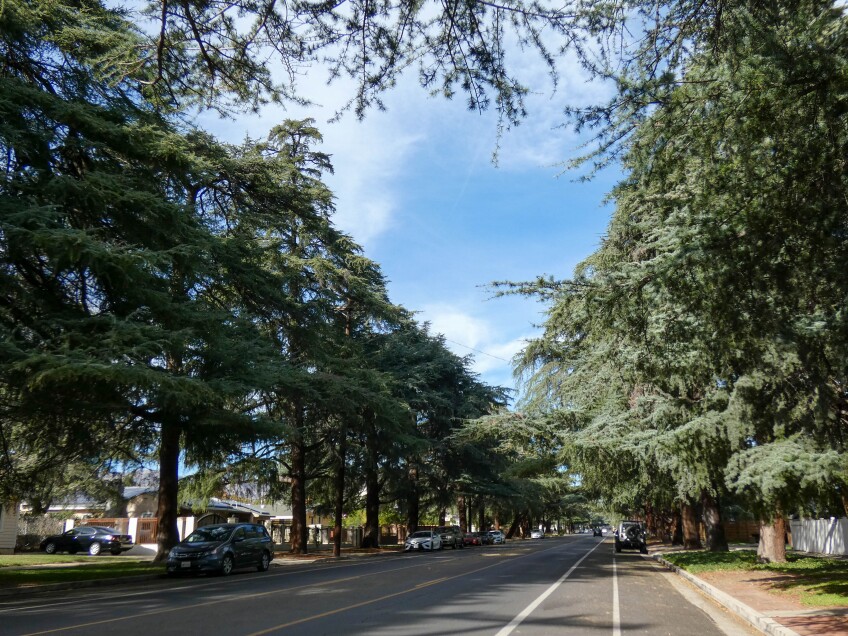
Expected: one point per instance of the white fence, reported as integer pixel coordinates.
(822, 536)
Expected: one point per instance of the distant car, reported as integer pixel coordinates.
(451, 536)
(91, 539)
(498, 537)
(423, 540)
(472, 538)
(485, 538)
(222, 548)
(597, 532)
(537, 534)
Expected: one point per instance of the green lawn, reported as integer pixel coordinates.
(60, 568)
(820, 581)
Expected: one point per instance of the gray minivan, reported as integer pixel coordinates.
(222, 548)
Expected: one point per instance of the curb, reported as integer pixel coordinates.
(73, 585)
(35, 588)
(756, 619)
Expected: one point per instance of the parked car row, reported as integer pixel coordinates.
(451, 536)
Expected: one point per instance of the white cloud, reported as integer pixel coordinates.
(467, 334)
(371, 156)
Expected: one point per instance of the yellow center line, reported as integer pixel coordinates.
(368, 602)
(254, 595)
(239, 597)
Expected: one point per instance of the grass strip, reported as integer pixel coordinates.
(15, 572)
(819, 581)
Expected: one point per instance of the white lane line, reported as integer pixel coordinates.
(616, 613)
(515, 622)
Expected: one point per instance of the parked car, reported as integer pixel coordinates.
(596, 532)
(498, 537)
(222, 548)
(472, 538)
(451, 536)
(537, 534)
(423, 540)
(485, 538)
(632, 536)
(91, 539)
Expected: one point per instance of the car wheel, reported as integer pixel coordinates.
(94, 549)
(227, 564)
(264, 563)
(50, 548)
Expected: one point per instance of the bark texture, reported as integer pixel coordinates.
(371, 533)
(713, 527)
(691, 531)
(167, 512)
(772, 547)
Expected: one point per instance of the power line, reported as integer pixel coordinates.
(477, 350)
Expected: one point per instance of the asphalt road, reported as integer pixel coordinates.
(568, 586)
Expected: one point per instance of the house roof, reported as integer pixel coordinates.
(135, 491)
(227, 505)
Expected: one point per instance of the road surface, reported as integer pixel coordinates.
(565, 586)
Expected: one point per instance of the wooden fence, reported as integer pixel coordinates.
(147, 530)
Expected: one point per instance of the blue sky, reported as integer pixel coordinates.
(416, 186)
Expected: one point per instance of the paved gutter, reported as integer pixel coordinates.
(758, 620)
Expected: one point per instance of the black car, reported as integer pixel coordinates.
(222, 548)
(91, 539)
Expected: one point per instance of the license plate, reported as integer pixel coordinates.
(185, 564)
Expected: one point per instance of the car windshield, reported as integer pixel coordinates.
(212, 533)
(420, 535)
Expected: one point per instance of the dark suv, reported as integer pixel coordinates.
(452, 536)
(222, 548)
(631, 535)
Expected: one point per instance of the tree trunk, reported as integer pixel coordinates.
(652, 521)
(340, 484)
(463, 519)
(677, 528)
(371, 538)
(772, 547)
(481, 516)
(443, 514)
(413, 501)
(299, 531)
(691, 532)
(169, 474)
(714, 529)
(513, 529)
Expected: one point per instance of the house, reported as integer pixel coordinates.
(8, 528)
